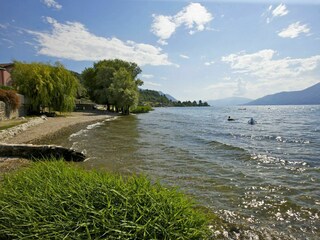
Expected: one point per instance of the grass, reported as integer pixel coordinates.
(57, 200)
(11, 123)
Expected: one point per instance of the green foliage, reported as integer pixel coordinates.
(155, 99)
(113, 82)
(10, 98)
(55, 200)
(45, 85)
(191, 104)
(142, 109)
(7, 88)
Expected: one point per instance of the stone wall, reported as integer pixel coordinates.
(8, 114)
(2, 111)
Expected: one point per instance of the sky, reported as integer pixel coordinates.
(191, 50)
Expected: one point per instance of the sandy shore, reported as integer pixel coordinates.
(39, 130)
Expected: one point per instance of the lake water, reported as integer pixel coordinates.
(264, 176)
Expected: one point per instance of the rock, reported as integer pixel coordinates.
(30, 151)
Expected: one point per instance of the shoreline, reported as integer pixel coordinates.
(43, 130)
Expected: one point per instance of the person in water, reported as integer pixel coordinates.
(252, 121)
(230, 119)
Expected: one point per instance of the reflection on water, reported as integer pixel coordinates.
(264, 176)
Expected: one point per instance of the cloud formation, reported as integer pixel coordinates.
(280, 11)
(209, 63)
(294, 30)
(194, 17)
(52, 4)
(74, 42)
(148, 76)
(184, 56)
(264, 66)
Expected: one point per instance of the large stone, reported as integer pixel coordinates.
(30, 151)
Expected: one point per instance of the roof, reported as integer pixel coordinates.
(5, 65)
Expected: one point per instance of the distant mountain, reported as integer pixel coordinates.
(168, 96)
(307, 96)
(232, 101)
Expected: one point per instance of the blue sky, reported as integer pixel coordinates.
(191, 50)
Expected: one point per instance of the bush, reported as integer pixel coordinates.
(142, 109)
(10, 98)
(55, 200)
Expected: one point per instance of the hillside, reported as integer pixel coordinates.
(159, 99)
(307, 96)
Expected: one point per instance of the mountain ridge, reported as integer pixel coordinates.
(308, 96)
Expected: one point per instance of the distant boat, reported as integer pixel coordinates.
(242, 109)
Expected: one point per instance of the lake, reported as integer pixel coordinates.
(264, 176)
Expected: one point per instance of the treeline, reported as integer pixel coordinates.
(47, 87)
(155, 99)
(113, 83)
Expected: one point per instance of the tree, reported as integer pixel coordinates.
(45, 85)
(123, 92)
(113, 82)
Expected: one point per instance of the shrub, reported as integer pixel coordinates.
(10, 98)
(142, 109)
(55, 200)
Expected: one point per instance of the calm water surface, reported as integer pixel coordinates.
(265, 176)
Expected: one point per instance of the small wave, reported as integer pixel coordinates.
(267, 159)
(92, 126)
(224, 146)
(83, 131)
(293, 140)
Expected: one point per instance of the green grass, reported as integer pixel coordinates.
(142, 109)
(11, 123)
(56, 200)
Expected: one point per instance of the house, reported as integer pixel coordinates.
(5, 76)
(6, 80)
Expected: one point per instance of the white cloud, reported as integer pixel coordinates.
(3, 26)
(280, 10)
(209, 63)
(52, 4)
(148, 76)
(184, 56)
(163, 27)
(266, 74)
(73, 41)
(194, 17)
(153, 84)
(294, 30)
(228, 88)
(263, 65)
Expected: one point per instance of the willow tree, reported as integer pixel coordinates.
(45, 86)
(123, 91)
(113, 82)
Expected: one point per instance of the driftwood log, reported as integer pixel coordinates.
(30, 151)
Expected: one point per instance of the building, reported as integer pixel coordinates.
(5, 76)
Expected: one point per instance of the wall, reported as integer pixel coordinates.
(13, 114)
(2, 111)
(5, 78)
